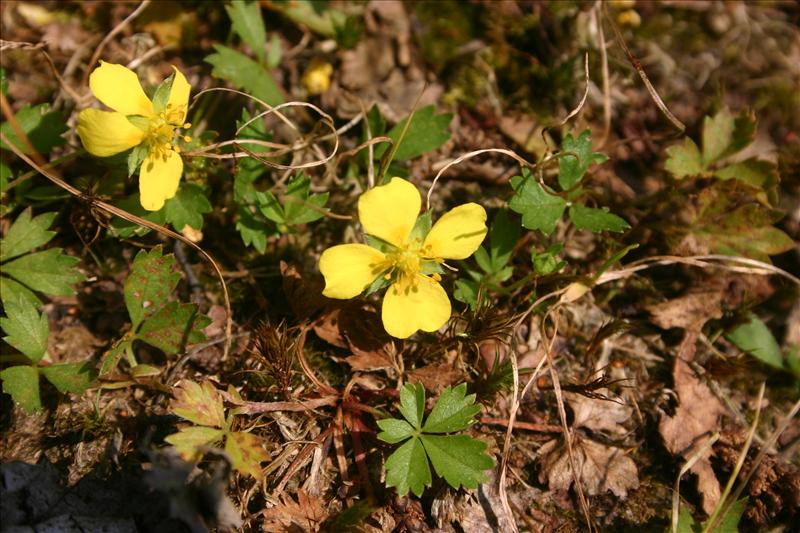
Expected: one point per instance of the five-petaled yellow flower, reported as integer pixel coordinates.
(136, 120)
(414, 300)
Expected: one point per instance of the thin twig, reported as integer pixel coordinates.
(118, 28)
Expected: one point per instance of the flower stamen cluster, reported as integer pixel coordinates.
(409, 263)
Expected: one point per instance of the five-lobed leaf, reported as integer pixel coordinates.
(149, 284)
(187, 440)
(26, 233)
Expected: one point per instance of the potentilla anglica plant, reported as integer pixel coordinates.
(148, 126)
(405, 253)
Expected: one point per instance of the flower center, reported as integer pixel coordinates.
(162, 129)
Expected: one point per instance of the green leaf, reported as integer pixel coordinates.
(539, 209)
(454, 411)
(547, 262)
(686, 523)
(253, 230)
(247, 22)
(11, 290)
(246, 452)
(756, 173)
(684, 159)
(755, 338)
(724, 135)
(244, 74)
(596, 219)
(503, 236)
(187, 207)
(407, 468)
(26, 233)
(298, 201)
(161, 95)
(149, 284)
(174, 326)
(394, 430)
(110, 359)
(42, 126)
(47, 271)
(26, 330)
(466, 291)
(22, 383)
(459, 459)
(132, 204)
(730, 521)
(188, 440)
(570, 168)
(427, 132)
(412, 403)
(200, 404)
(70, 377)
(135, 158)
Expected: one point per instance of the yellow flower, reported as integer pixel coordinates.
(408, 260)
(317, 77)
(138, 121)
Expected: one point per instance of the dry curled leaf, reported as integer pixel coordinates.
(305, 514)
(696, 417)
(601, 468)
(598, 414)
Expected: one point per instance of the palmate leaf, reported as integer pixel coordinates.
(26, 233)
(70, 377)
(149, 284)
(684, 159)
(459, 459)
(571, 168)
(48, 271)
(188, 440)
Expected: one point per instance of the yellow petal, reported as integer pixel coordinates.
(119, 88)
(158, 180)
(349, 269)
(408, 307)
(457, 234)
(390, 211)
(179, 95)
(106, 133)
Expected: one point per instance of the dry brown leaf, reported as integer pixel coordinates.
(598, 414)
(358, 328)
(688, 312)
(600, 467)
(435, 377)
(307, 514)
(303, 292)
(695, 419)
